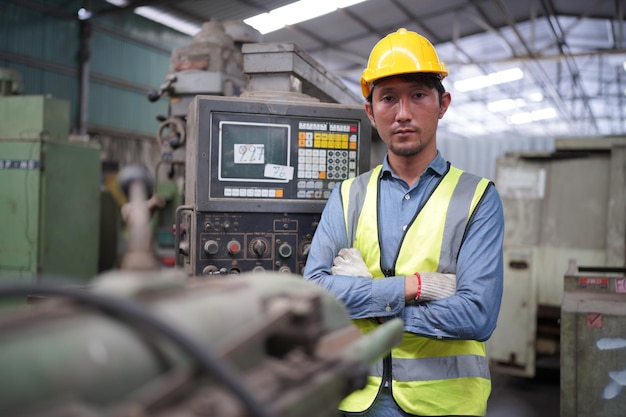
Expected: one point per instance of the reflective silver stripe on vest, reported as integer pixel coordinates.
(355, 205)
(453, 229)
(437, 368)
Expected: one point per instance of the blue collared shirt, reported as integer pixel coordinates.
(469, 314)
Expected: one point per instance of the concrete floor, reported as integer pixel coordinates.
(524, 397)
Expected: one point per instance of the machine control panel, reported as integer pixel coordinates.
(279, 157)
(259, 175)
(236, 242)
(260, 153)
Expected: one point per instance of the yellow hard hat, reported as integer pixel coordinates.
(401, 52)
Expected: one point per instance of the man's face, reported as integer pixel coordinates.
(406, 113)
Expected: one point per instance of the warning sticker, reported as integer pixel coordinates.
(596, 283)
(620, 285)
(594, 320)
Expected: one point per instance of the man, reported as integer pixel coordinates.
(418, 239)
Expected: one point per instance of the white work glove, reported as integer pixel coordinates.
(436, 286)
(349, 262)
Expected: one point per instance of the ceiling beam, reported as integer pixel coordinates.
(563, 47)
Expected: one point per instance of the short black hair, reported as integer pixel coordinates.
(430, 80)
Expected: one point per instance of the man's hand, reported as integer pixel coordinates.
(349, 262)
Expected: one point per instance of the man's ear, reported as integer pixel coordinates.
(370, 112)
(446, 98)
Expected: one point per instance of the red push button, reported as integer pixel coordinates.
(233, 247)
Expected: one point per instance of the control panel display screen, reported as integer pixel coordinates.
(254, 155)
(253, 152)
(274, 158)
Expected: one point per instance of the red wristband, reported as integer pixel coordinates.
(419, 286)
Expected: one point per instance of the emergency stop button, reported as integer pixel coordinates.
(233, 247)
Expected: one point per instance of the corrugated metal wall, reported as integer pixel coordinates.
(478, 154)
(42, 49)
(129, 56)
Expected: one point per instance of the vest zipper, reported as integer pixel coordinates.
(387, 359)
(388, 272)
(387, 371)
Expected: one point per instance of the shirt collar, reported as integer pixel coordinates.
(438, 165)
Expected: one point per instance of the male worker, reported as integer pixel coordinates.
(396, 241)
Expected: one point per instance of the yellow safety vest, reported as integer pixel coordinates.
(429, 377)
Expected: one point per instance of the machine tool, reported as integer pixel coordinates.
(593, 342)
(49, 189)
(141, 341)
(260, 133)
(258, 177)
(162, 344)
(563, 205)
(260, 167)
(212, 64)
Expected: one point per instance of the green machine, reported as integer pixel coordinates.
(49, 193)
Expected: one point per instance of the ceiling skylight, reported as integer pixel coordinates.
(534, 116)
(271, 21)
(167, 20)
(505, 104)
(494, 78)
(295, 13)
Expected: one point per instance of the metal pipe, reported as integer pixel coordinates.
(84, 53)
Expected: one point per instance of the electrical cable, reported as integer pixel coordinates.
(205, 359)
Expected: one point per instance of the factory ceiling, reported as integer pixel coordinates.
(567, 57)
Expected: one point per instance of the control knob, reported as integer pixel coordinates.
(306, 249)
(210, 270)
(259, 247)
(285, 250)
